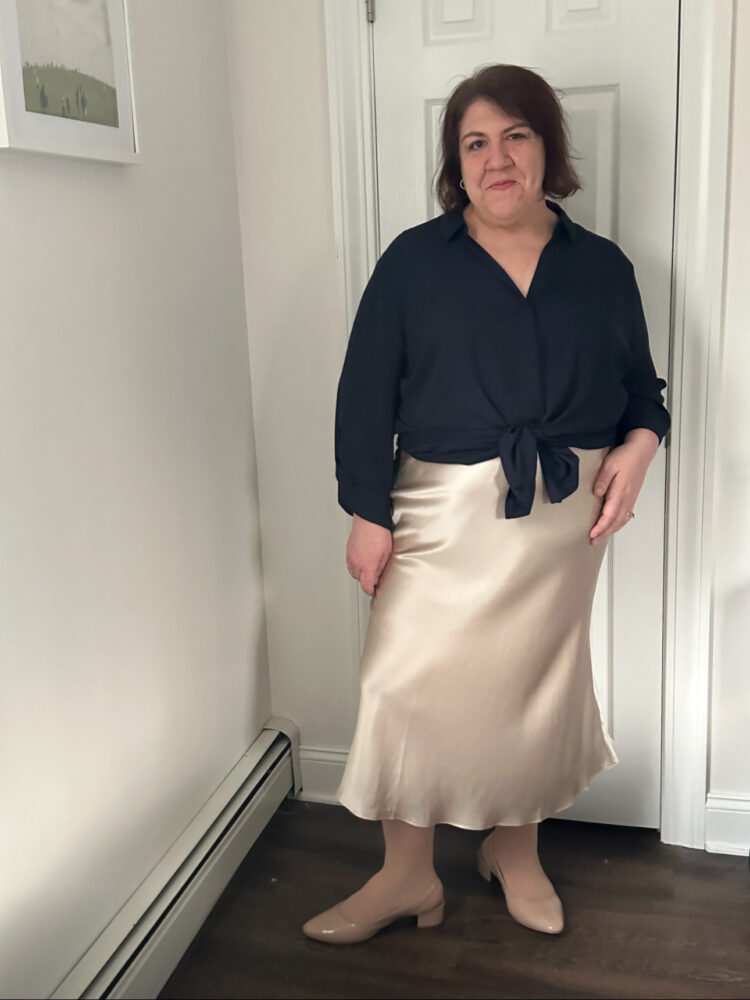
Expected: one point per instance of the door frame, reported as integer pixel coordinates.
(698, 266)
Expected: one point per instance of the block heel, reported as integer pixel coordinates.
(433, 917)
(333, 927)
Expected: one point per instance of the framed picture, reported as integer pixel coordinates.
(65, 79)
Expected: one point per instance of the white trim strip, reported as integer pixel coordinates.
(698, 278)
(137, 914)
(351, 104)
(728, 824)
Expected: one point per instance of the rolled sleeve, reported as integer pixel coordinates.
(367, 397)
(645, 407)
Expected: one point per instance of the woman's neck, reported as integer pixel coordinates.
(537, 224)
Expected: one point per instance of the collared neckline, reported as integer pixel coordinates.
(452, 222)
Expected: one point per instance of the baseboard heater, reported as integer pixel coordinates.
(139, 949)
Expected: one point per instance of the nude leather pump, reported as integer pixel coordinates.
(544, 915)
(333, 927)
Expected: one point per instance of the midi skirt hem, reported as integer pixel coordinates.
(507, 819)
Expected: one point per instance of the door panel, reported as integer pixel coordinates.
(615, 66)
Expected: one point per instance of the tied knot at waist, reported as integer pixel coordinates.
(518, 448)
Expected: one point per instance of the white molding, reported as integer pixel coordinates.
(728, 824)
(727, 816)
(351, 105)
(697, 283)
(137, 951)
(322, 771)
(146, 975)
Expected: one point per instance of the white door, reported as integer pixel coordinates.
(616, 63)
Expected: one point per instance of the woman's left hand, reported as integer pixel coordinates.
(620, 479)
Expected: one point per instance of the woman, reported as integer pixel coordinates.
(507, 347)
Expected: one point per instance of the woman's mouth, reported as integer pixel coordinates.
(501, 185)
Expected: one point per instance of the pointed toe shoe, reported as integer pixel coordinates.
(333, 927)
(545, 915)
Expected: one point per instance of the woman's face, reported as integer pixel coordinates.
(502, 163)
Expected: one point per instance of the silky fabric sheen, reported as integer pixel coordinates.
(478, 705)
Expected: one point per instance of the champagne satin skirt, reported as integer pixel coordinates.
(477, 702)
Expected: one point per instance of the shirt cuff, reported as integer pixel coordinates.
(644, 413)
(368, 504)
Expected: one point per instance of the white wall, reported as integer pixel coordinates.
(298, 335)
(730, 719)
(132, 654)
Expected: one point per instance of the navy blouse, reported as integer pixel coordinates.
(446, 353)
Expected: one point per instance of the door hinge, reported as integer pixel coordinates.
(370, 6)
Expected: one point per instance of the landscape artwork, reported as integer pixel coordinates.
(67, 59)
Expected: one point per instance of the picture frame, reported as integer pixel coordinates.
(66, 82)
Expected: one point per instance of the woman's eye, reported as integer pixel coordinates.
(513, 135)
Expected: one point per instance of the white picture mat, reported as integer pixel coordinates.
(29, 130)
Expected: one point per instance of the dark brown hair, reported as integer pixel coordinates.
(518, 92)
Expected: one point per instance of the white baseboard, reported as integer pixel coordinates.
(159, 956)
(727, 816)
(322, 769)
(137, 952)
(728, 823)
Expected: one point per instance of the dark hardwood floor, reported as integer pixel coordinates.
(643, 919)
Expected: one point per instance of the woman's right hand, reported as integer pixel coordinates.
(367, 552)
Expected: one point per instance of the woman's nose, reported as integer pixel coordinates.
(499, 153)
